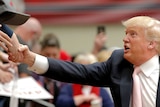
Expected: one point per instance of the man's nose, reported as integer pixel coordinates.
(125, 39)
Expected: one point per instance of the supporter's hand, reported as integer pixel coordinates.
(5, 41)
(5, 76)
(14, 48)
(4, 56)
(10, 44)
(79, 99)
(26, 57)
(4, 66)
(100, 40)
(13, 66)
(91, 97)
(99, 43)
(16, 51)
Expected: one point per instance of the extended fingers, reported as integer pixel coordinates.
(5, 76)
(22, 48)
(4, 38)
(3, 46)
(12, 57)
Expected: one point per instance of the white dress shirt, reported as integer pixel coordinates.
(149, 81)
(40, 65)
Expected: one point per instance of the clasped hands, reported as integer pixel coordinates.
(17, 52)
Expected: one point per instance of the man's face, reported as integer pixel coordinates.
(52, 52)
(135, 44)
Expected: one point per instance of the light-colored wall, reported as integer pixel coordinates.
(80, 38)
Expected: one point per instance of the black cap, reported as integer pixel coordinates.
(8, 14)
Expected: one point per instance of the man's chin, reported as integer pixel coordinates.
(126, 56)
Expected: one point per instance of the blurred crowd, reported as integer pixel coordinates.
(72, 95)
(61, 74)
(49, 45)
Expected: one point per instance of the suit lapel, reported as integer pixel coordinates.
(158, 89)
(126, 86)
(158, 94)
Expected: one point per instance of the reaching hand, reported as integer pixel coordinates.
(5, 76)
(100, 40)
(10, 44)
(26, 56)
(91, 97)
(16, 51)
(4, 66)
(99, 43)
(5, 41)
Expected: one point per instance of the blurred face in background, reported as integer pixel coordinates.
(50, 51)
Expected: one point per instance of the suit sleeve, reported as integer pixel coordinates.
(97, 74)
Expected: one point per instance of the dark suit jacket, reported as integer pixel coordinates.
(115, 73)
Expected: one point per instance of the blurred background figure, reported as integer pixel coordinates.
(103, 55)
(76, 95)
(29, 32)
(50, 47)
(5, 65)
(6, 75)
(100, 40)
(23, 71)
(19, 5)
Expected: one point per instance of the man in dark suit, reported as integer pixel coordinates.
(141, 48)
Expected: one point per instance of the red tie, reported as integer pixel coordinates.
(137, 100)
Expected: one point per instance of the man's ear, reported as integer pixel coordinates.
(151, 44)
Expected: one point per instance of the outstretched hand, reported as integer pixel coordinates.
(100, 40)
(10, 45)
(16, 51)
(5, 41)
(25, 55)
(99, 43)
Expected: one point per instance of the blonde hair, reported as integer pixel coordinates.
(150, 25)
(90, 58)
(103, 55)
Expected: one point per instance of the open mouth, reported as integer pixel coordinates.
(126, 48)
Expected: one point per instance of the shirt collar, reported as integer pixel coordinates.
(149, 66)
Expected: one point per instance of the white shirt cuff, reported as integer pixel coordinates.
(40, 65)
